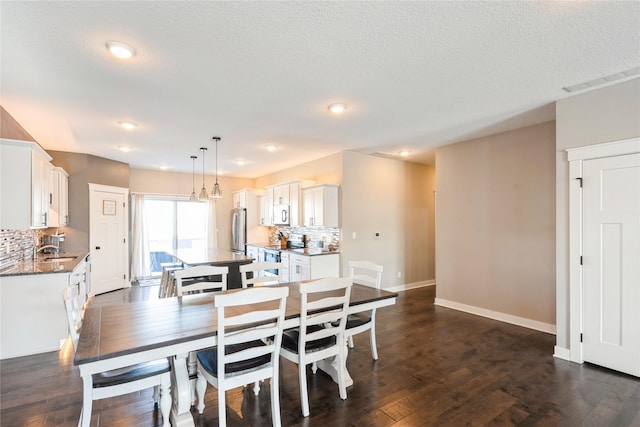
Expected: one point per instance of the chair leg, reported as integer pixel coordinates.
(201, 388)
(374, 347)
(222, 406)
(314, 367)
(304, 397)
(350, 341)
(156, 395)
(87, 401)
(256, 388)
(275, 401)
(165, 401)
(341, 368)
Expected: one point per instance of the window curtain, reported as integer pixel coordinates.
(212, 230)
(140, 257)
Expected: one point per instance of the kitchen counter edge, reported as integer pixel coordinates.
(36, 266)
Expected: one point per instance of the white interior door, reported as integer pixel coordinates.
(108, 238)
(611, 262)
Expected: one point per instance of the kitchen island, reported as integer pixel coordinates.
(217, 257)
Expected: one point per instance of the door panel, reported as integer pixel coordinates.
(108, 246)
(611, 260)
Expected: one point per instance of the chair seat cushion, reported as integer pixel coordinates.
(209, 358)
(131, 373)
(357, 319)
(290, 340)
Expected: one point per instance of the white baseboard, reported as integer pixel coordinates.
(562, 353)
(496, 315)
(408, 286)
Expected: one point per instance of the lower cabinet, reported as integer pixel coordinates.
(32, 315)
(304, 267)
(285, 259)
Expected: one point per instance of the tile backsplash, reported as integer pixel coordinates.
(318, 236)
(17, 245)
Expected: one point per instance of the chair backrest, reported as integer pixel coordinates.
(200, 278)
(264, 322)
(324, 302)
(258, 270)
(366, 273)
(73, 305)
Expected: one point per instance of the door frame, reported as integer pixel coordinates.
(576, 156)
(125, 194)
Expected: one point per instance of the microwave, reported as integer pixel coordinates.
(281, 215)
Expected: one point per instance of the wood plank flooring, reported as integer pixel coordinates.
(437, 367)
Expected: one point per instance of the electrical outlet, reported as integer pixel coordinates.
(377, 235)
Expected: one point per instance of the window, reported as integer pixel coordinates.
(171, 225)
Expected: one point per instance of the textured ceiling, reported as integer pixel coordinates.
(415, 75)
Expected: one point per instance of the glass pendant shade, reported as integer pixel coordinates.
(203, 192)
(193, 197)
(216, 193)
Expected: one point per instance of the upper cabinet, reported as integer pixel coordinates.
(288, 194)
(265, 214)
(240, 199)
(321, 206)
(24, 185)
(281, 194)
(58, 198)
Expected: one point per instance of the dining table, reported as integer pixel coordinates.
(216, 257)
(120, 335)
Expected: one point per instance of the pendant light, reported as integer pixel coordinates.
(203, 192)
(194, 196)
(216, 193)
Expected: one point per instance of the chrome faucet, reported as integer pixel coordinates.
(57, 248)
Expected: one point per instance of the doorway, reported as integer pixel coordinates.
(108, 228)
(605, 255)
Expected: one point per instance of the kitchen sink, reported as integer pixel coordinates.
(59, 259)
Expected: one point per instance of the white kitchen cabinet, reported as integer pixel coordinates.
(265, 215)
(304, 267)
(321, 205)
(32, 315)
(240, 199)
(24, 185)
(58, 198)
(281, 194)
(252, 251)
(285, 260)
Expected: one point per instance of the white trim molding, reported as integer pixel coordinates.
(407, 286)
(496, 315)
(575, 157)
(562, 353)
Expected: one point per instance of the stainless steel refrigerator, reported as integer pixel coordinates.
(238, 230)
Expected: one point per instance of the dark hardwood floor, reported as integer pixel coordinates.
(437, 367)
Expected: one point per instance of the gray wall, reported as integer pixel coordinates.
(495, 231)
(603, 115)
(84, 169)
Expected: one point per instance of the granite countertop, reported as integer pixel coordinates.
(45, 264)
(301, 251)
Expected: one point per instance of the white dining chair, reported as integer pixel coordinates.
(323, 313)
(369, 274)
(200, 278)
(117, 382)
(257, 271)
(247, 346)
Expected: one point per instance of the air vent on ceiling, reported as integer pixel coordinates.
(602, 80)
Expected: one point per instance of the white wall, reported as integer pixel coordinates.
(604, 115)
(495, 227)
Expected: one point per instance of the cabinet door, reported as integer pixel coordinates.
(294, 205)
(240, 199)
(313, 213)
(40, 191)
(63, 199)
(284, 259)
(264, 217)
(270, 203)
(281, 195)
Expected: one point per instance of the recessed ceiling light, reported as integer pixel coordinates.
(164, 166)
(337, 108)
(124, 148)
(119, 49)
(240, 162)
(271, 147)
(405, 153)
(128, 125)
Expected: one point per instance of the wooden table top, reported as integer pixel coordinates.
(115, 330)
